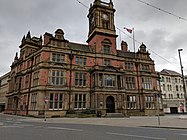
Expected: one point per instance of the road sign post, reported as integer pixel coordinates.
(46, 100)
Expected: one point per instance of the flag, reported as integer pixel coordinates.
(131, 31)
(128, 30)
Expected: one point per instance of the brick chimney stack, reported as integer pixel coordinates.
(47, 37)
(124, 46)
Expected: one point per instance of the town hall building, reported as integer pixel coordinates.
(55, 75)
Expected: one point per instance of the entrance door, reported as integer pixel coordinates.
(110, 105)
(173, 110)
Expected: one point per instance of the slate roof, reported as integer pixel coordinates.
(169, 72)
(126, 54)
(80, 47)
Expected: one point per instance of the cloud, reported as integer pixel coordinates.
(161, 32)
(5, 58)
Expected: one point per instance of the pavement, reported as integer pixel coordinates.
(167, 121)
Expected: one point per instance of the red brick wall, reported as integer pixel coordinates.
(97, 39)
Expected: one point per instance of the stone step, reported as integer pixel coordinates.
(114, 115)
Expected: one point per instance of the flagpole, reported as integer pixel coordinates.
(119, 36)
(131, 31)
(133, 40)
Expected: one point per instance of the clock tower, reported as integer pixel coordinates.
(101, 25)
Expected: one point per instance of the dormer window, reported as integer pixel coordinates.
(59, 34)
(59, 37)
(106, 49)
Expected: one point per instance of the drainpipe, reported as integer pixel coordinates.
(28, 99)
(90, 89)
(136, 64)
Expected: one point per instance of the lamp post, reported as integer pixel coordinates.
(184, 88)
(158, 107)
(159, 96)
(71, 56)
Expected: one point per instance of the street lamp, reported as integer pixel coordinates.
(184, 88)
(71, 56)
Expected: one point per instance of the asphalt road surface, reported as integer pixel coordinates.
(13, 129)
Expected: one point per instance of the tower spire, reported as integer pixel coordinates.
(28, 35)
(16, 56)
(111, 4)
(101, 19)
(97, 2)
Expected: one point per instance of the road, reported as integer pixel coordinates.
(11, 127)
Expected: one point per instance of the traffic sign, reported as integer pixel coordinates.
(46, 99)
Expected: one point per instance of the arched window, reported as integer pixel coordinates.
(106, 24)
(163, 79)
(109, 80)
(164, 88)
(171, 96)
(175, 80)
(180, 88)
(182, 95)
(178, 95)
(170, 88)
(106, 43)
(177, 88)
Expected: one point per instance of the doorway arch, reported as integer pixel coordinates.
(110, 104)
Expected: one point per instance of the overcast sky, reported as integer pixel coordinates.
(163, 34)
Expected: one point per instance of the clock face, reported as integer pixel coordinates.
(105, 17)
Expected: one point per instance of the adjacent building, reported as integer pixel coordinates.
(3, 90)
(172, 92)
(55, 75)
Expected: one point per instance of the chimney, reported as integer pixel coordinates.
(124, 46)
(47, 37)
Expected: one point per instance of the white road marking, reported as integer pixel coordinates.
(38, 127)
(9, 126)
(182, 134)
(137, 136)
(8, 121)
(24, 125)
(27, 125)
(178, 129)
(60, 128)
(18, 122)
(163, 128)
